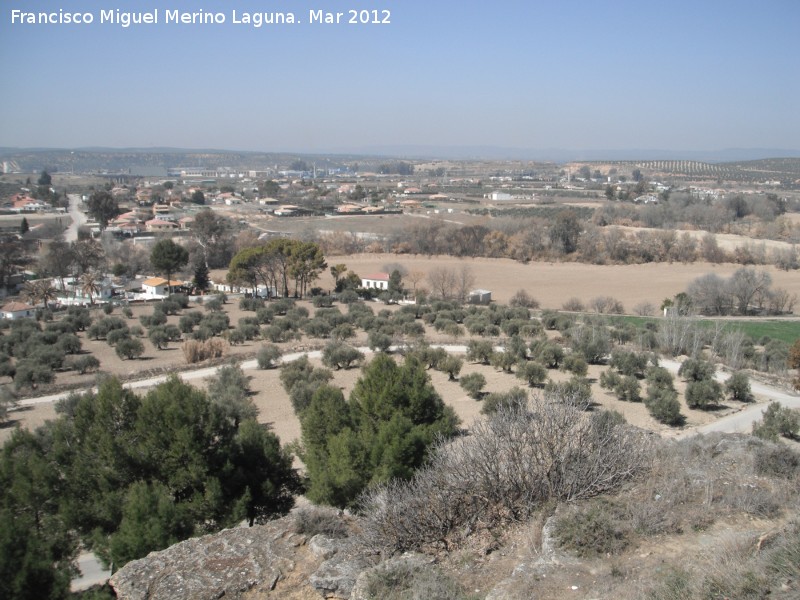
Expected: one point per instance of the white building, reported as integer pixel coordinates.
(479, 297)
(158, 287)
(379, 281)
(500, 196)
(17, 310)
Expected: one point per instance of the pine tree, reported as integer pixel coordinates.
(382, 431)
(201, 279)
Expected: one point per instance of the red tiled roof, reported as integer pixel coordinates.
(377, 277)
(16, 307)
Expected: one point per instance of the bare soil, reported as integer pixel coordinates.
(554, 283)
(550, 283)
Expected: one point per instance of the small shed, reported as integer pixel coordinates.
(479, 297)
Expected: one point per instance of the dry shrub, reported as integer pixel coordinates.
(695, 481)
(510, 464)
(323, 520)
(410, 577)
(606, 305)
(594, 529)
(523, 298)
(777, 461)
(195, 351)
(741, 565)
(574, 305)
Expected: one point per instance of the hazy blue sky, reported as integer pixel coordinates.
(612, 74)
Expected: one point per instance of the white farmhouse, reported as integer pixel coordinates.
(158, 287)
(17, 310)
(378, 281)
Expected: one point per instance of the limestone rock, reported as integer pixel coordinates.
(323, 546)
(226, 564)
(336, 577)
(550, 557)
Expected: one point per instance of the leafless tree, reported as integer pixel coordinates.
(644, 309)
(729, 346)
(779, 301)
(87, 255)
(685, 249)
(678, 334)
(606, 305)
(465, 281)
(710, 249)
(414, 278)
(747, 284)
(710, 295)
(442, 281)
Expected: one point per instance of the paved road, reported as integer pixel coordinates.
(78, 217)
(92, 573)
(735, 423)
(153, 381)
(742, 421)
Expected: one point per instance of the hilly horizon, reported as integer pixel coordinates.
(478, 152)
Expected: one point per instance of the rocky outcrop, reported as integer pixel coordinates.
(245, 563)
(550, 558)
(336, 577)
(226, 564)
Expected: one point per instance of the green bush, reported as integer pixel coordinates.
(51, 357)
(473, 384)
(703, 394)
(777, 421)
(479, 351)
(236, 336)
(115, 336)
(268, 356)
(379, 342)
(575, 364)
(494, 402)
(451, 365)
(338, 355)
(503, 361)
(629, 363)
(532, 373)
(31, 373)
(159, 338)
(738, 387)
(188, 321)
(129, 348)
(250, 304)
(694, 369)
(213, 305)
(575, 391)
(663, 405)
(85, 364)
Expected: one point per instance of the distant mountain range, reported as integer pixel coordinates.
(123, 159)
(561, 155)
